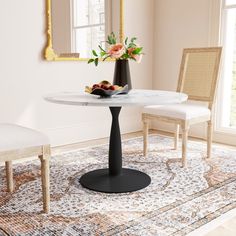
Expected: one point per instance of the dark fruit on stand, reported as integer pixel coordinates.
(96, 86)
(105, 85)
(105, 82)
(112, 87)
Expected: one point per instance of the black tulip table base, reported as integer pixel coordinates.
(127, 181)
(115, 179)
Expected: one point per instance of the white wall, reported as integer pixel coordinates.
(178, 24)
(25, 77)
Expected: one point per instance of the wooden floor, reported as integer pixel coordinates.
(219, 227)
(226, 229)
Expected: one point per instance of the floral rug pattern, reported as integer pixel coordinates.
(178, 200)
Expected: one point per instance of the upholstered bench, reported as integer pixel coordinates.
(18, 142)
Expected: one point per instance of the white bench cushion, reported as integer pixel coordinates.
(182, 111)
(14, 137)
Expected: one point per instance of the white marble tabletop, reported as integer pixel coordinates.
(136, 97)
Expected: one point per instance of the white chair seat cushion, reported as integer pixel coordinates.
(183, 111)
(14, 137)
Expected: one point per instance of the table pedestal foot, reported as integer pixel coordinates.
(127, 181)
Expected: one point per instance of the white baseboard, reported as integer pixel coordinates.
(225, 138)
(198, 131)
(85, 131)
(91, 130)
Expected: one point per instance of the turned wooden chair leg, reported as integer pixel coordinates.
(176, 137)
(145, 138)
(9, 175)
(45, 180)
(209, 138)
(184, 145)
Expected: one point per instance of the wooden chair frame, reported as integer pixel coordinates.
(185, 124)
(43, 152)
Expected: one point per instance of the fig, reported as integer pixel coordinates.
(105, 87)
(105, 82)
(96, 86)
(112, 87)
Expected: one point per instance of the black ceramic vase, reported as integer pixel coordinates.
(122, 74)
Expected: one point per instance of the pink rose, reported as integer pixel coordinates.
(137, 57)
(116, 51)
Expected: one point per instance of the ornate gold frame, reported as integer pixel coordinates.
(49, 53)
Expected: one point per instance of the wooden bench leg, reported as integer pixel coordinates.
(184, 145)
(176, 137)
(9, 175)
(45, 178)
(145, 138)
(209, 138)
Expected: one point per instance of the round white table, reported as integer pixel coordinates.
(116, 179)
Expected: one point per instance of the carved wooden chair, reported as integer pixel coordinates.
(197, 78)
(18, 142)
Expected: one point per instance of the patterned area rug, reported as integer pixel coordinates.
(175, 203)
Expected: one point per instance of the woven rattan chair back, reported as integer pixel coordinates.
(199, 73)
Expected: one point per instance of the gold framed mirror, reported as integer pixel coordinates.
(67, 40)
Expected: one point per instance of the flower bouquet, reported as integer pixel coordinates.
(121, 52)
(118, 51)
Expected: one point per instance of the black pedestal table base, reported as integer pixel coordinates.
(128, 181)
(115, 179)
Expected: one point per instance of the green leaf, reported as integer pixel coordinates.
(110, 39)
(133, 39)
(103, 54)
(113, 38)
(94, 53)
(113, 35)
(125, 56)
(106, 57)
(137, 51)
(132, 45)
(101, 48)
(90, 61)
(126, 40)
(113, 41)
(96, 61)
